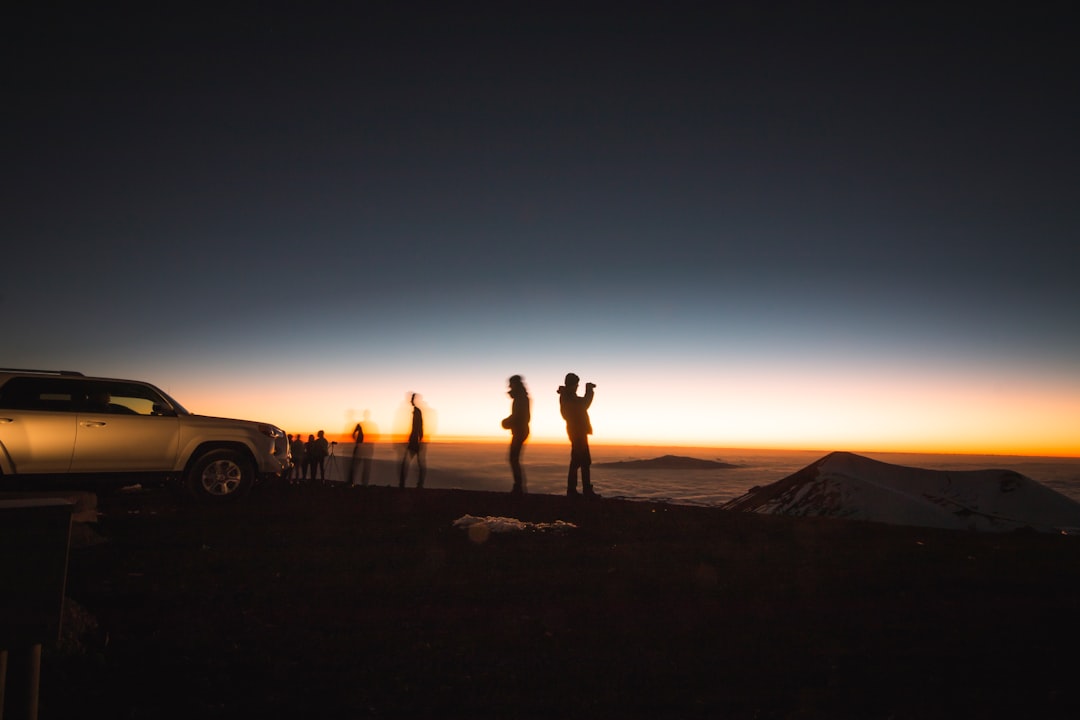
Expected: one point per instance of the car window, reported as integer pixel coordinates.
(40, 393)
(123, 398)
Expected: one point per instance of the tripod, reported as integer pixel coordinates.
(331, 463)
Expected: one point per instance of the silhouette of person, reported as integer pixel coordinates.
(309, 458)
(518, 425)
(318, 459)
(361, 458)
(299, 459)
(414, 447)
(575, 410)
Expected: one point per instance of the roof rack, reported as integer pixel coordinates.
(74, 373)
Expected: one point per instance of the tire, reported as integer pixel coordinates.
(220, 475)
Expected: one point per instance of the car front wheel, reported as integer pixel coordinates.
(221, 474)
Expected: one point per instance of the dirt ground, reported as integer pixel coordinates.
(340, 603)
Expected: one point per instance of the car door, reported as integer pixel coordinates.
(127, 432)
(37, 424)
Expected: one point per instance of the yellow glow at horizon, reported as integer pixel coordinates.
(820, 412)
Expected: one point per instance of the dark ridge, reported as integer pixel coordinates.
(669, 462)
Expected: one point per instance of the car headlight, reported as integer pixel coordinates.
(270, 431)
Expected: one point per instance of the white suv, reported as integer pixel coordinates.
(100, 431)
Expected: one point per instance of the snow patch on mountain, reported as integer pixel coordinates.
(845, 485)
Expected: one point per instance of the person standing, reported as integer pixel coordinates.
(361, 459)
(575, 410)
(518, 425)
(299, 459)
(309, 458)
(414, 447)
(318, 459)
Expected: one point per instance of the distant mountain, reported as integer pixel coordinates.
(669, 462)
(844, 485)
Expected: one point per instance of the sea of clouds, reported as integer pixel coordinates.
(484, 466)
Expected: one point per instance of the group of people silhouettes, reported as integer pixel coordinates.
(309, 457)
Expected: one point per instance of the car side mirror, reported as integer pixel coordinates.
(162, 410)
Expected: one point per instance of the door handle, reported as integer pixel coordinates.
(5, 421)
(93, 423)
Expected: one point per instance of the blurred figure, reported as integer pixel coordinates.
(362, 454)
(518, 425)
(575, 410)
(414, 447)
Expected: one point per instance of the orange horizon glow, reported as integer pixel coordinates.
(914, 449)
(1029, 447)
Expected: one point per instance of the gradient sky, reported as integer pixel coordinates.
(755, 225)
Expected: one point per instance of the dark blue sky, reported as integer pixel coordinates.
(486, 189)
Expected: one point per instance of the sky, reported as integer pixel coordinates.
(751, 224)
